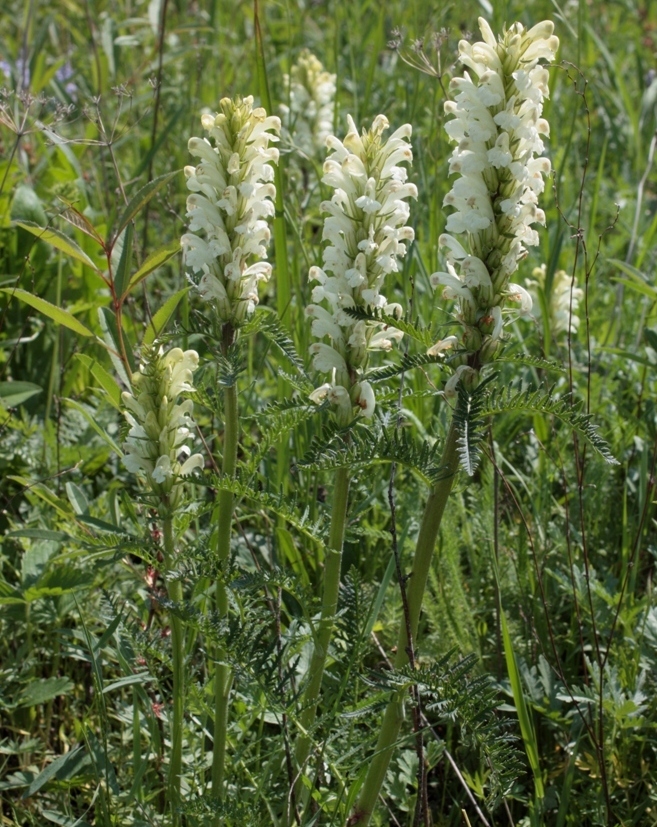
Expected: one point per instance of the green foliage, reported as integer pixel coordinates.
(97, 103)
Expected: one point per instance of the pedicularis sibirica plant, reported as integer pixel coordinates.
(218, 527)
(366, 230)
(157, 450)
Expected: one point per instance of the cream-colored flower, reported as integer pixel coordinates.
(156, 448)
(366, 227)
(562, 302)
(497, 126)
(231, 200)
(308, 117)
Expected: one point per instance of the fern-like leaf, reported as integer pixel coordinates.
(531, 362)
(405, 364)
(282, 507)
(469, 424)
(277, 420)
(266, 322)
(450, 693)
(371, 446)
(420, 334)
(540, 401)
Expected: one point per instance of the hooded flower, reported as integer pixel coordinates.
(367, 233)
(498, 131)
(231, 200)
(157, 448)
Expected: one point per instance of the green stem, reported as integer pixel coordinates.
(174, 589)
(331, 589)
(394, 713)
(54, 364)
(223, 678)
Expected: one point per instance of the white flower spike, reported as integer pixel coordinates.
(308, 118)
(498, 131)
(156, 448)
(367, 233)
(232, 196)
(563, 301)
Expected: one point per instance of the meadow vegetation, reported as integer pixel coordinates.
(215, 467)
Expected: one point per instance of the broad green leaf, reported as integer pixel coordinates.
(15, 393)
(638, 287)
(53, 312)
(40, 692)
(59, 241)
(58, 580)
(101, 524)
(27, 206)
(161, 318)
(9, 596)
(637, 280)
(140, 200)
(627, 354)
(122, 274)
(62, 768)
(155, 260)
(95, 426)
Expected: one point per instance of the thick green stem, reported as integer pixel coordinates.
(174, 589)
(394, 713)
(324, 631)
(223, 677)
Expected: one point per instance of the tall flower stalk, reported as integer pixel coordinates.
(367, 234)
(498, 128)
(231, 198)
(157, 451)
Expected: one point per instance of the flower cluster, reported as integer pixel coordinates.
(563, 301)
(156, 448)
(308, 117)
(367, 234)
(498, 128)
(231, 198)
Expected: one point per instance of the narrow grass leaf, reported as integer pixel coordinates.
(524, 719)
(107, 382)
(73, 403)
(122, 274)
